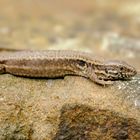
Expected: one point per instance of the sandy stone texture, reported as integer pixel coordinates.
(73, 107)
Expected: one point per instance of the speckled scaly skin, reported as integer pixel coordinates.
(59, 63)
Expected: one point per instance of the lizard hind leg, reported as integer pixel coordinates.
(2, 69)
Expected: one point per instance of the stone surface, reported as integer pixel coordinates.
(84, 122)
(72, 107)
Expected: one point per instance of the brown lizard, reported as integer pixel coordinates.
(59, 63)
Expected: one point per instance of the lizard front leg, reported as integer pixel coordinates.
(92, 76)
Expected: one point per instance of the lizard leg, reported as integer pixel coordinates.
(95, 79)
(2, 69)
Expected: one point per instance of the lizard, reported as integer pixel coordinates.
(59, 63)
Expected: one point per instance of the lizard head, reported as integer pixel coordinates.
(119, 70)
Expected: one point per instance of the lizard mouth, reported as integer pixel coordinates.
(129, 75)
